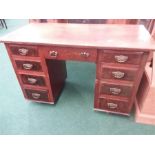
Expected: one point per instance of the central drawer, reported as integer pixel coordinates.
(67, 53)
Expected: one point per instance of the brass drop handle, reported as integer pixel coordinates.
(118, 74)
(121, 58)
(28, 66)
(112, 105)
(85, 54)
(23, 51)
(32, 80)
(53, 53)
(36, 95)
(115, 91)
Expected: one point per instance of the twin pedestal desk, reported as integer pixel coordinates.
(38, 53)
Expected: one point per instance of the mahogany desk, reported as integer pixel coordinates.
(38, 53)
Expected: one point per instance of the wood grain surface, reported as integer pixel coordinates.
(85, 35)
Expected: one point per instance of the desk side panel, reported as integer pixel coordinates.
(57, 75)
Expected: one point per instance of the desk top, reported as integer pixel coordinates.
(83, 35)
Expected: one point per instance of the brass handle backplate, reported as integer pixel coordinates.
(115, 91)
(53, 53)
(85, 54)
(36, 95)
(23, 51)
(121, 58)
(118, 74)
(32, 80)
(27, 66)
(112, 105)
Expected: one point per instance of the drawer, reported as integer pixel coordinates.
(33, 80)
(120, 57)
(38, 95)
(28, 65)
(23, 50)
(128, 74)
(115, 89)
(66, 53)
(113, 105)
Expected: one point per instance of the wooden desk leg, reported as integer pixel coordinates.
(57, 74)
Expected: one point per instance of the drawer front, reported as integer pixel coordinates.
(33, 80)
(28, 65)
(115, 89)
(113, 105)
(62, 53)
(24, 50)
(118, 74)
(37, 95)
(124, 57)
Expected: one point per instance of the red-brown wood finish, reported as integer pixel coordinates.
(69, 53)
(45, 74)
(24, 50)
(31, 72)
(33, 80)
(119, 78)
(117, 89)
(113, 105)
(109, 56)
(28, 65)
(38, 53)
(39, 95)
(103, 36)
(110, 72)
(57, 74)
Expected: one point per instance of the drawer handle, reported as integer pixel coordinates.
(115, 91)
(27, 66)
(85, 54)
(112, 105)
(23, 51)
(36, 95)
(32, 80)
(53, 53)
(118, 74)
(121, 58)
